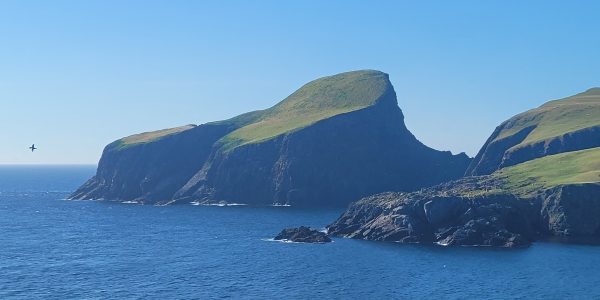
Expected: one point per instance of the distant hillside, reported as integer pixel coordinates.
(334, 140)
(558, 126)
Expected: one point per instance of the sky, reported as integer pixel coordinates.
(77, 75)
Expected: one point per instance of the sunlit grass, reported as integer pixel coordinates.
(315, 101)
(549, 171)
(151, 136)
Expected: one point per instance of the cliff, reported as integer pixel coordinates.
(333, 141)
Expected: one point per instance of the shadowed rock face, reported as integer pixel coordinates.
(572, 211)
(151, 172)
(449, 215)
(331, 162)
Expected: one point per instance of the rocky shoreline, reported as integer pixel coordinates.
(450, 215)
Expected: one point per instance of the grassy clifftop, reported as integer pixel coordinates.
(565, 168)
(148, 137)
(317, 100)
(556, 118)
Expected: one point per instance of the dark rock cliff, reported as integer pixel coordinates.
(571, 211)
(451, 214)
(491, 155)
(330, 162)
(150, 172)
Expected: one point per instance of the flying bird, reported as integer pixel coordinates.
(32, 147)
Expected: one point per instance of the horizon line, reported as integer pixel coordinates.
(48, 164)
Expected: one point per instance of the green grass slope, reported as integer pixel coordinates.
(317, 100)
(556, 118)
(148, 137)
(549, 171)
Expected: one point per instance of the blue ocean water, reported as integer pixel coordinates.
(56, 249)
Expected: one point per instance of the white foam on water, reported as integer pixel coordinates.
(281, 241)
(221, 204)
(290, 242)
(130, 202)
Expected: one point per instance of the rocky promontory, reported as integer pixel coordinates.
(472, 212)
(333, 141)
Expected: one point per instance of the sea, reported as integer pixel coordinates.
(52, 248)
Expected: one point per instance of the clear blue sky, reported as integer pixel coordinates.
(76, 75)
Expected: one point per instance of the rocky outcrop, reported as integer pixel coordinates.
(360, 147)
(302, 235)
(468, 213)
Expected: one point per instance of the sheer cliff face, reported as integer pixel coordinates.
(333, 141)
(151, 171)
(332, 162)
(558, 126)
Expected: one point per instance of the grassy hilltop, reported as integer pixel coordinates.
(148, 137)
(556, 118)
(317, 100)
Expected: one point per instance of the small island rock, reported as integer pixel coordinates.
(302, 234)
